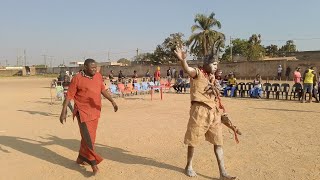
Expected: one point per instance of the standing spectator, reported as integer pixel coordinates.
(65, 86)
(169, 74)
(157, 74)
(279, 72)
(288, 71)
(147, 73)
(111, 76)
(181, 73)
(315, 91)
(297, 75)
(308, 78)
(135, 76)
(173, 73)
(120, 76)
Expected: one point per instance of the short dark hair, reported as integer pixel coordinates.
(89, 61)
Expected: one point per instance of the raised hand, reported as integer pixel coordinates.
(180, 53)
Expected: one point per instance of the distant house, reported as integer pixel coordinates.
(77, 63)
(111, 64)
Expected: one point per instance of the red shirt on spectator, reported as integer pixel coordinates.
(157, 75)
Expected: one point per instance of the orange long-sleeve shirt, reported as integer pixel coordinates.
(86, 93)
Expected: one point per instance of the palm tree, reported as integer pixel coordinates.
(201, 42)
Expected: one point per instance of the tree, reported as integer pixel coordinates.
(255, 49)
(124, 61)
(289, 47)
(164, 53)
(239, 48)
(203, 41)
(168, 46)
(272, 50)
(142, 58)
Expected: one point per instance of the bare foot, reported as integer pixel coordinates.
(190, 172)
(81, 162)
(227, 177)
(95, 169)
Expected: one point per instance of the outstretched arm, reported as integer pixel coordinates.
(107, 95)
(182, 58)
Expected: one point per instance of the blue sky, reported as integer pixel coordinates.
(76, 29)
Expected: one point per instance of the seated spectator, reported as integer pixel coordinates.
(224, 82)
(179, 84)
(232, 82)
(256, 91)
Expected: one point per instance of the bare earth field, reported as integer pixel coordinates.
(144, 139)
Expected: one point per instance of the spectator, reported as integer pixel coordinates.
(65, 86)
(256, 91)
(224, 82)
(288, 71)
(157, 74)
(232, 82)
(169, 74)
(111, 76)
(308, 79)
(173, 73)
(135, 76)
(297, 75)
(147, 73)
(120, 75)
(178, 85)
(181, 73)
(279, 72)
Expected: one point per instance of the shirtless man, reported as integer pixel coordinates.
(205, 118)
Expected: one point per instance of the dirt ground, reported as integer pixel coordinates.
(144, 139)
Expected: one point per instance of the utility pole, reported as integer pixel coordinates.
(25, 57)
(231, 48)
(51, 58)
(6, 62)
(108, 55)
(45, 60)
(137, 51)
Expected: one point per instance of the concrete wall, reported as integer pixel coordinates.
(10, 72)
(267, 69)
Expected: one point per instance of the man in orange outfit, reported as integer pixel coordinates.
(86, 89)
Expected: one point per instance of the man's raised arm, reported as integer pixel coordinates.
(182, 58)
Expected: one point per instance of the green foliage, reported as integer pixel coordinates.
(288, 47)
(164, 53)
(239, 47)
(124, 61)
(255, 50)
(272, 50)
(142, 58)
(202, 41)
